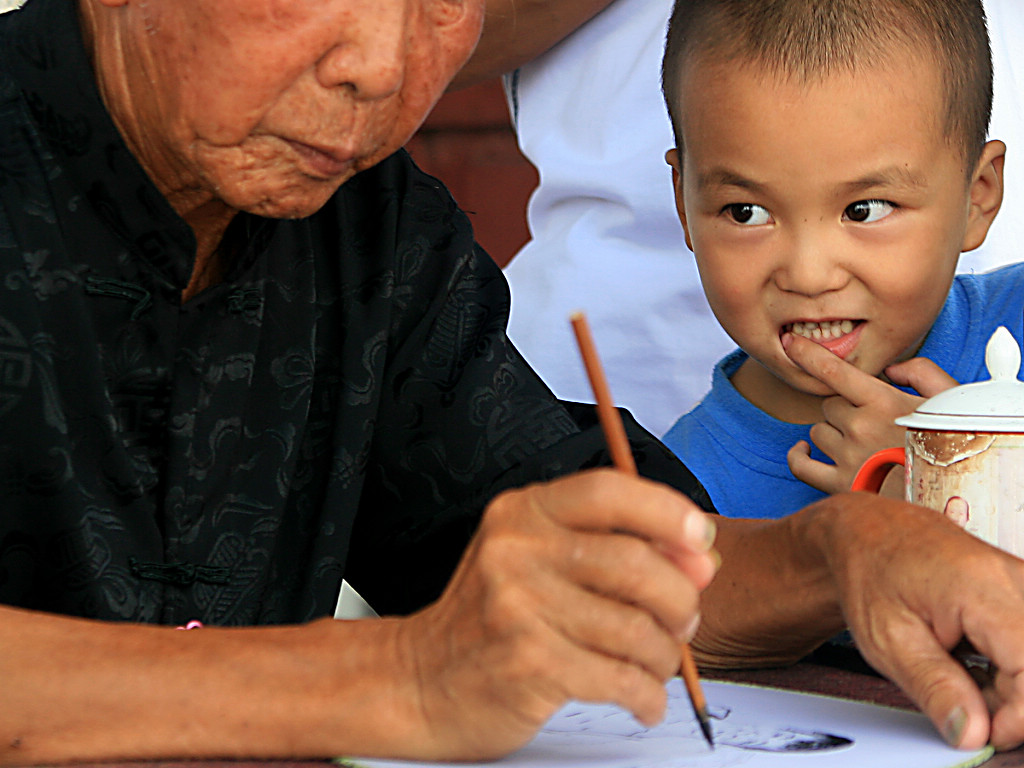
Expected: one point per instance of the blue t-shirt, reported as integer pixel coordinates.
(739, 452)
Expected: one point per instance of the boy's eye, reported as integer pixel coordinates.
(867, 211)
(748, 214)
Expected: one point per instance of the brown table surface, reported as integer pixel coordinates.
(809, 677)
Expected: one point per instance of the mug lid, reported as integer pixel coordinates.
(996, 405)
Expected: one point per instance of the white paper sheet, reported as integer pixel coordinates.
(753, 727)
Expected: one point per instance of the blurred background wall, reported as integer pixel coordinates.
(468, 143)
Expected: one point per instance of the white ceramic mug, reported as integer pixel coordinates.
(964, 452)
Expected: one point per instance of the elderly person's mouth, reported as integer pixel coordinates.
(320, 161)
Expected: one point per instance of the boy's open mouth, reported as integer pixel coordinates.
(840, 337)
(824, 330)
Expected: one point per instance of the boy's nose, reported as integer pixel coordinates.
(370, 54)
(810, 266)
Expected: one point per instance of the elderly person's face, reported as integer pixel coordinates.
(272, 104)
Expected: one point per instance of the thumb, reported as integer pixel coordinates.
(952, 701)
(946, 693)
(922, 375)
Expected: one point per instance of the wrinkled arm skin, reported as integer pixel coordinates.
(773, 600)
(78, 690)
(516, 31)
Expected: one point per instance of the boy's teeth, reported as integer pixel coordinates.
(826, 331)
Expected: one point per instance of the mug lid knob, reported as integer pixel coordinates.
(996, 405)
(1002, 355)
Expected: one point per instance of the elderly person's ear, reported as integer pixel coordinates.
(451, 11)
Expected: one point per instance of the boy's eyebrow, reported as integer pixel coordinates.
(892, 176)
(723, 177)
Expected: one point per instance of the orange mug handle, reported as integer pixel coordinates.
(871, 476)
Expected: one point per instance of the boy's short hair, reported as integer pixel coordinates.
(808, 39)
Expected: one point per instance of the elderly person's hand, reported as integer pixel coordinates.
(908, 609)
(582, 588)
(911, 586)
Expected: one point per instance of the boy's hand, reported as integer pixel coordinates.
(858, 419)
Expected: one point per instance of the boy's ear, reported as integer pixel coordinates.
(673, 159)
(986, 194)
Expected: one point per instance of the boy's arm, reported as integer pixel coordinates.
(516, 31)
(859, 418)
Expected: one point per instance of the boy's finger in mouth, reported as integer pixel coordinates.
(838, 336)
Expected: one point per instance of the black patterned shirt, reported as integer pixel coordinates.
(344, 403)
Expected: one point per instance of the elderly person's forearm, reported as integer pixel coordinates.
(87, 690)
(774, 598)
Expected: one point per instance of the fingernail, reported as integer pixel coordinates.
(953, 731)
(716, 557)
(690, 631)
(701, 531)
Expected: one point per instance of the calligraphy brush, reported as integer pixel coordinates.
(622, 457)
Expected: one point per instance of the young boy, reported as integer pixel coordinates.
(831, 165)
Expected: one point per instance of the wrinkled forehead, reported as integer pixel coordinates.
(228, 21)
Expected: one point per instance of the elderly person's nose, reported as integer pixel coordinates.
(371, 59)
